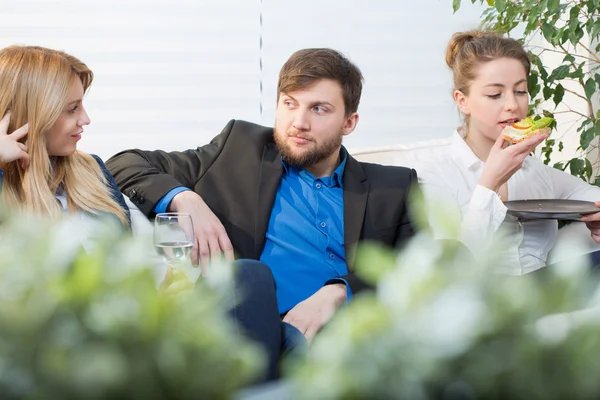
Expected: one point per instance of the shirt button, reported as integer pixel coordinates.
(323, 224)
(332, 256)
(318, 185)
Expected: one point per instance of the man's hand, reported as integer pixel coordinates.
(592, 221)
(210, 238)
(10, 147)
(313, 313)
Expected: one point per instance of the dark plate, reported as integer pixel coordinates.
(550, 209)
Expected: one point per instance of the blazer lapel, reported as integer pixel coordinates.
(356, 190)
(268, 182)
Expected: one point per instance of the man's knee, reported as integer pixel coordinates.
(253, 274)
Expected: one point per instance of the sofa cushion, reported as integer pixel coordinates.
(406, 155)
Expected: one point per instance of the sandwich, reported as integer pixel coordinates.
(526, 128)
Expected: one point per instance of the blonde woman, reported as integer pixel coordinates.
(479, 173)
(43, 119)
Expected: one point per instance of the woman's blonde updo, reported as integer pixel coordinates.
(467, 50)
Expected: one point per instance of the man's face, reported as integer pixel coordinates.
(311, 122)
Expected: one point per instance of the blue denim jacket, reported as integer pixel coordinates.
(112, 187)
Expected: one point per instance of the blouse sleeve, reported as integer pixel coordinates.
(474, 224)
(567, 186)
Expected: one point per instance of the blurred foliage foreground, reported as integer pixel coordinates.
(84, 321)
(441, 326)
(89, 323)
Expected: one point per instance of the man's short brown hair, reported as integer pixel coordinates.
(305, 67)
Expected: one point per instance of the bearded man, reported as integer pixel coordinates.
(289, 201)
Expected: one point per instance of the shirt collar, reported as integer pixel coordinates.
(334, 180)
(463, 151)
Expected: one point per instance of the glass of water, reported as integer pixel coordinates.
(173, 237)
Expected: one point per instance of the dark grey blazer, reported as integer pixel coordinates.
(238, 174)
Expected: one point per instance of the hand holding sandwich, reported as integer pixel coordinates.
(503, 162)
(592, 221)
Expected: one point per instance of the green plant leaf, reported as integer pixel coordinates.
(489, 2)
(547, 150)
(576, 36)
(573, 19)
(563, 36)
(455, 5)
(569, 58)
(587, 170)
(559, 93)
(553, 5)
(578, 73)
(548, 31)
(500, 5)
(595, 30)
(559, 73)
(577, 166)
(533, 85)
(592, 6)
(532, 21)
(547, 92)
(590, 88)
(586, 138)
(597, 127)
(585, 123)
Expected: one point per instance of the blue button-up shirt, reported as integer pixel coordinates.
(305, 238)
(304, 244)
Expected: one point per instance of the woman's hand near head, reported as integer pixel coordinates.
(503, 162)
(10, 147)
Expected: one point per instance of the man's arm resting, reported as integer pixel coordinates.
(163, 204)
(147, 176)
(354, 284)
(340, 281)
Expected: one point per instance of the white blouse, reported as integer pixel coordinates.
(450, 181)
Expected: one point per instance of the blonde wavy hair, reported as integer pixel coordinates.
(35, 83)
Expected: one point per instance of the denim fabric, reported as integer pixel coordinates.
(256, 315)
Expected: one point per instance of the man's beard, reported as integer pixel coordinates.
(313, 154)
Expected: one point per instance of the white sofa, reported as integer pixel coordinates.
(409, 155)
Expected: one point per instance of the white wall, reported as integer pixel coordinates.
(170, 74)
(399, 47)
